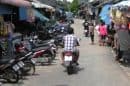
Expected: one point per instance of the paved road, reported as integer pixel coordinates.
(97, 68)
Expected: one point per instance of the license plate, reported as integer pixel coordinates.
(16, 67)
(85, 30)
(68, 58)
(21, 64)
(33, 61)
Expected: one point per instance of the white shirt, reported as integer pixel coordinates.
(70, 42)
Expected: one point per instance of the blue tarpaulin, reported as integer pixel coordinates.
(40, 16)
(23, 13)
(104, 14)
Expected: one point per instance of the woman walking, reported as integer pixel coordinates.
(103, 33)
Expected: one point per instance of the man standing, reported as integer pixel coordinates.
(91, 32)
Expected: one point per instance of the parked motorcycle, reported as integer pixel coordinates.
(9, 70)
(44, 55)
(29, 64)
(48, 46)
(22, 54)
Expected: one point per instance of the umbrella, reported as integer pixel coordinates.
(104, 14)
(106, 19)
(122, 3)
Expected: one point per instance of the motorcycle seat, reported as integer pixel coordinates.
(40, 48)
(27, 55)
(41, 45)
(4, 61)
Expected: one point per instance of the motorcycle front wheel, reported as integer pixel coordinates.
(29, 68)
(11, 76)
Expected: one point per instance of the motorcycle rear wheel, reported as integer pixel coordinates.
(69, 70)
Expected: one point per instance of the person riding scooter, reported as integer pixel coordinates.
(86, 28)
(70, 42)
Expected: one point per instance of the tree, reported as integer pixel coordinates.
(74, 6)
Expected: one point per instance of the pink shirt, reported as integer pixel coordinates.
(103, 30)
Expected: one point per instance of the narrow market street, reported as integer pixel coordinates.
(97, 68)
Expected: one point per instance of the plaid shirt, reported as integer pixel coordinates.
(70, 42)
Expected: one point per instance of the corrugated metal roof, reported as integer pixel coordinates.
(49, 2)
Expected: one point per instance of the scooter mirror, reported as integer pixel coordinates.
(35, 37)
(52, 41)
(31, 40)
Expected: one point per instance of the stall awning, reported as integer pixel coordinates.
(40, 16)
(19, 3)
(5, 9)
(122, 3)
(41, 5)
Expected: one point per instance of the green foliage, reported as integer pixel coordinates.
(74, 6)
(64, 5)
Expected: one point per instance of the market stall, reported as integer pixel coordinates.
(121, 19)
(47, 10)
(10, 12)
(41, 5)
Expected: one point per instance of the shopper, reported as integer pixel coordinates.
(91, 32)
(103, 33)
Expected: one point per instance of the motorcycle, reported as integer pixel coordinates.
(22, 54)
(29, 64)
(69, 62)
(9, 70)
(46, 47)
(86, 29)
(44, 55)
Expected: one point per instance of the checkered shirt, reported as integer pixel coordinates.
(70, 42)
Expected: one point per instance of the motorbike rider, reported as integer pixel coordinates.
(86, 27)
(70, 42)
(62, 25)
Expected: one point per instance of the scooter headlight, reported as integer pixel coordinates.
(52, 41)
(35, 37)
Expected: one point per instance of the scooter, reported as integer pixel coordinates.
(9, 70)
(43, 55)
(86, 29)
(29, 64)
(22, 54)
(69, 62)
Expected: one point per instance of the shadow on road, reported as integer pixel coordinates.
(62, 85)
(125, 64)
(76, 71)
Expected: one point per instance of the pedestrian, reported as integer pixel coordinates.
(91, 32)
(10, 28)
(116, 46)
(97, 31)
(124, 43)
(103, 33)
